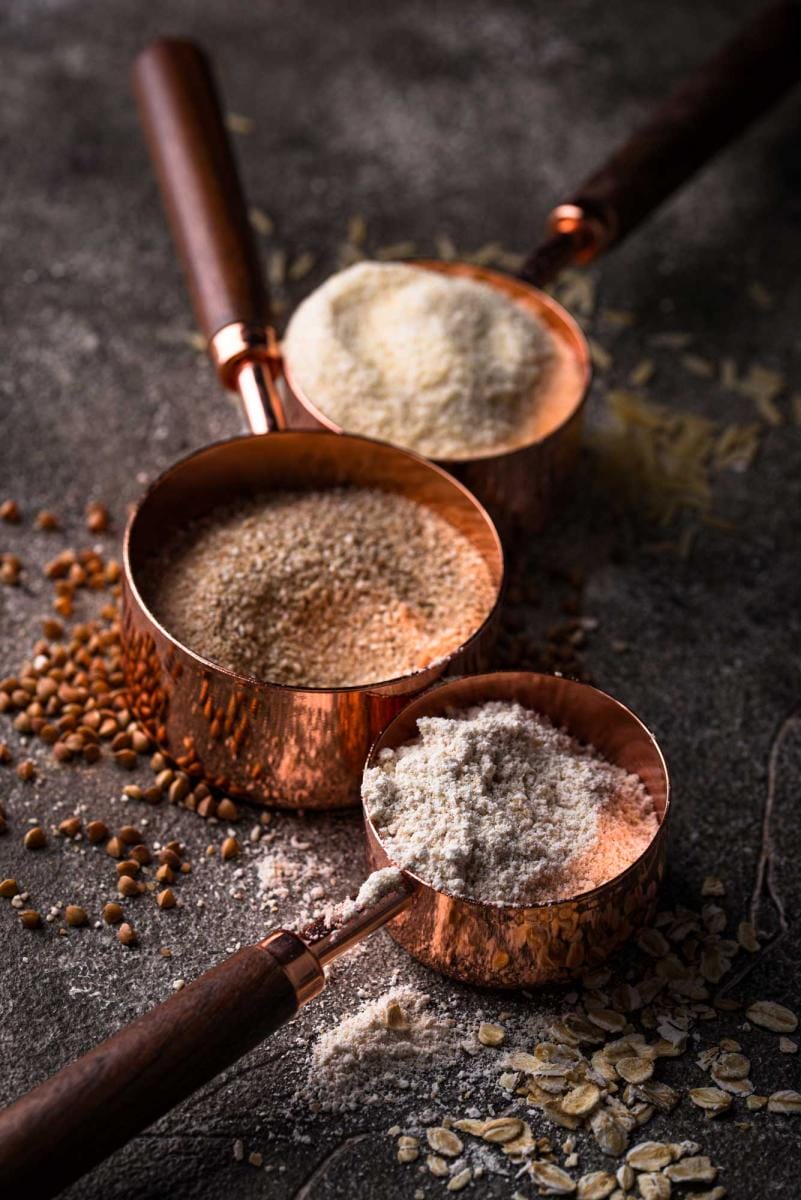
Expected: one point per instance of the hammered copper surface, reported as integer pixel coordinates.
(278, 745)
(518, 486)
(502, 945)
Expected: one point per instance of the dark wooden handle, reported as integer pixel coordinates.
(194, 163)
(708, 110)
(705, 112)
(74, 1120)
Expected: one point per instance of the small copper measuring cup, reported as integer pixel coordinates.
(148, 1067)
(706, 111)
(276, 744)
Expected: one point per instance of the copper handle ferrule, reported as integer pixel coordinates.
(248, 361)
(589, 234)
(298, 963)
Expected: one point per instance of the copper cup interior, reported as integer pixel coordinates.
(247, 466)
(519, 945)
(282, 745)
(560, 394)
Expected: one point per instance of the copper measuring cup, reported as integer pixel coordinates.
(144, 1070)
(706, 111)
(276, 744)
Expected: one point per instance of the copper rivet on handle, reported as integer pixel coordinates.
(506, 945)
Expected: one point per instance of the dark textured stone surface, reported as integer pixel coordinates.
(465, 118)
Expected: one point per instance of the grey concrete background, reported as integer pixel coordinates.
(459, 117)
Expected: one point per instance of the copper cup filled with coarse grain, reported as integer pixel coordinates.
(481, 371)
(284, 594)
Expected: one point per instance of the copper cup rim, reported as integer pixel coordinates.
(511, 286)
(251, 681)
(511, 906)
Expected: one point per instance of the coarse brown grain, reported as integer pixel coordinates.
(207, 808)
(230, 849)
(97, 518)
(166, 898)
(112, 913)
(10, 512)
(126, 886)
(35, 839)
(26, 770)
(401, 587)
(5, 754)
(75, 915)
(165, 874)
(130, 835)
(141, 854)
(127, 759)
(8, 888)
(47, 520)
(96, 831)
(128, 867)
(127, 934)
(70, 827)
(115, 847)
(227, 810)
(30, 918)
(167, 856)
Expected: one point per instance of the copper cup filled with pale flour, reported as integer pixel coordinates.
(284, 594)
(570, 791)
(478, 371)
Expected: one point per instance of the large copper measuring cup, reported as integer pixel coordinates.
(148, 1067)
(282, 745)
(705, 112)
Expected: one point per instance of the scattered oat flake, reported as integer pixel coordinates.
(597, 1185)
(396, 250)
(670, 340)
(261, 221)
(552, 1179)
(746, 936)
(712, 886)
(502, 1130)
(695, 1169)
(460, 1180)
(446, 249)
(237, 123)
(649, 1156)
(788, 1046)
(642, 373)
(357, 230)
(300, 267)
(581, 1099)
(785, 1102)
(444, 1141)
(619, 318)
(437, 1166)
(600, 355)
(653, 1186)
(770, 1015)
(491, 1035)
(698, 366)
(712, 1100)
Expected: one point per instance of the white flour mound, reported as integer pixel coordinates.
(368, 1059)
(496, 803)
(446, 366)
